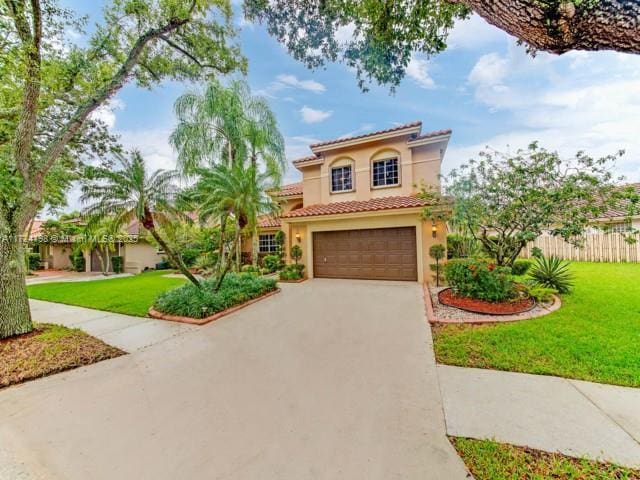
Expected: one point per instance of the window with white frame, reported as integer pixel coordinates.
(385, 172)
(619, 227)
(267, 243)
(341, 179)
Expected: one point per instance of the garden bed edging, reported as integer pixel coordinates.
(153, 313)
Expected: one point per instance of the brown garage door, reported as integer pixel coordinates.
(376, 254)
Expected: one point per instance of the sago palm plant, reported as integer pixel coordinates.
(552, 272)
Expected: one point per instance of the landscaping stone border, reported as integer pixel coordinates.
(202, 321)
(539, 310)
(300, 280)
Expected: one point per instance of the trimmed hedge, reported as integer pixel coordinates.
(521, 266)
(191, 301)
(295, 271)
(479, 279)
(117, 264)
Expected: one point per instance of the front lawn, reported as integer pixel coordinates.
(128, 295)
(489, 460)
(594, 336)
(49, 349)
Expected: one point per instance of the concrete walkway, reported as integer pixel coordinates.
(547, 413)
(67, 276)
(326, 380)
(123, 331)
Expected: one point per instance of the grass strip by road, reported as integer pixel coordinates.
(594, 336)
(129, 295)
(490, 460)
(49, 349)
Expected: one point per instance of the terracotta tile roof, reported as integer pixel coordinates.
(289, 190)
(435, 133)
(355, 206)
(36, 229)
(305, 159)
(379, 132)
(269, 222)
(622, 210)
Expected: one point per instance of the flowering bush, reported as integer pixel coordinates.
(479, 279)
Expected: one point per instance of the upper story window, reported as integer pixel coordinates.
(341, 179)
(385, 172)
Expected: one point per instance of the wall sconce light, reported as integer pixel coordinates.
(434, 230)
(298, 237)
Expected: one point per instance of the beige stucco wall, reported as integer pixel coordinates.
(418, 164)
(139, 255)
(57, 256)
(424, 237)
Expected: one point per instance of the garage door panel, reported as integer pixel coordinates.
(382, 253)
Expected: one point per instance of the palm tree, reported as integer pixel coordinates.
(129, 193)
(228, 126)
(101, 234)
(232, 192)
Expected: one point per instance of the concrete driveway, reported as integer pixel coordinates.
(331, 379)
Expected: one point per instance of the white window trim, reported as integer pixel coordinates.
(350, 167)
(389, 185)
(271, 248)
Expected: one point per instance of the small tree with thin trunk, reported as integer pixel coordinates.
(506, 200)
(437, 252)
(296, 253)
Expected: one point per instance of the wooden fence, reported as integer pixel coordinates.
(597, 247)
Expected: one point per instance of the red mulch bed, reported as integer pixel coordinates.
(447, 297)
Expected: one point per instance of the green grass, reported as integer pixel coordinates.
(128, 295)
(595, 336)
(489, 460)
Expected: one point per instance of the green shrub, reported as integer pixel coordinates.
(250, 269)
(271, 263)
(191, 301)
(206, 261)
(296, 253)
(117, 264)
(479, 279)
(294, 271)
(460, 246)
(536, 252)
(552, 272)
(33, 261)
(521, 266)
(163, 265)
(77, 262)
(540, 293)
(189, 256)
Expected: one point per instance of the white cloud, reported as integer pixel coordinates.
(474, 33)
(418, 70)
(364, 128)
(592, 106)
(311, 115)
(107, 112)
(345, 33)
(294, 82)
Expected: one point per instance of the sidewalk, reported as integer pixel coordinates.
(123, 331)
(553, 414)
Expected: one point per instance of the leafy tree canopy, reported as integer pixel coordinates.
(377, 37)
(506, 200)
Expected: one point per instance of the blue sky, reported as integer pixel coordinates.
(484, 87)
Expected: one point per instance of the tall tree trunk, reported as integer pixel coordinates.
(174, 258)
(15, 316)
(227, 265)
(254, 247)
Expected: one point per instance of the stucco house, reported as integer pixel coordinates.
(138, 254)
(356, 213)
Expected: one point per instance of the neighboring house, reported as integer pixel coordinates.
(356, 213)
(613, 237)
(137, 253)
